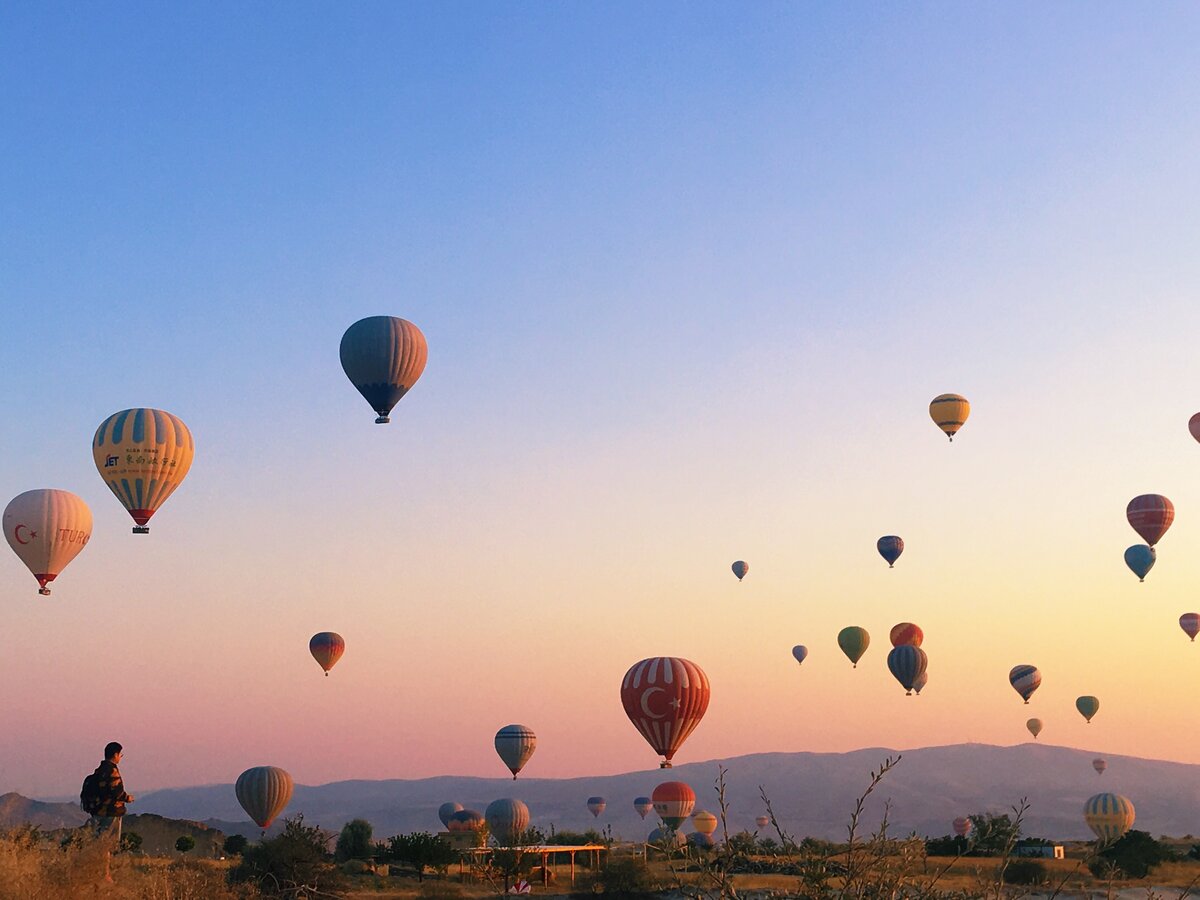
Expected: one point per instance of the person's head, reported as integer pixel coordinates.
(112, 751)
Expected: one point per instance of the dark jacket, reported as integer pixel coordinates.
(111, 788)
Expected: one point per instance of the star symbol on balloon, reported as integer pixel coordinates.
(674, 704)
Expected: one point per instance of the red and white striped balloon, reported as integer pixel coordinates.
(665, 698)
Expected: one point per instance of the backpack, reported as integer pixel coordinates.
(89, 797)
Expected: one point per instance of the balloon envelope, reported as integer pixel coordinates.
(1087, 706)
(740, 569)
(596, 805)
(383, 357)
(674, 802)
(1109, 816)
(704, 821)
(1150, 515)
(920, 681)
(446, 810)
(800, 652)
(890, 547)
(327, 648)
(906, 633)
(1194, 426)
(1099, 765)
(762, 821)
(949, 412)
(46, 529)
(665, 697)
(1140, 560)
(1034, 726)
(514, 745)
(143, 455)
(643, 805)
(962, 826)
(1025, 679)
(466, 820)
(1190, 623)
(854, 642)
(906, 663)
(264, 792)
(665, 837)
(507, 820)
(701, 840)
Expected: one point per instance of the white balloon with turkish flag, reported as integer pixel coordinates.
(46, 529)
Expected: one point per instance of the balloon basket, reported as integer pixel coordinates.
(44, 591)
(141, 529)
(382, 420)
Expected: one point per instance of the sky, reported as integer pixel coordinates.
(690, 275)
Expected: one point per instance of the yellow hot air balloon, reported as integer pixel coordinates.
(47, 529)
(142, 455)
(949, 412)
(705, 822)
(1109, 816)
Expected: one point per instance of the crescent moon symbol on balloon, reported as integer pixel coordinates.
(645, 707)
(17, 533)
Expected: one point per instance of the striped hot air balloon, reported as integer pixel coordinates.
(1035, 727)
(1109, 816)
(326, 648)
(920, 681)
(673, 802)
(1025, 679)
(465, 820)
(1140, 560)
(949, 412)
(596, 805)
(890, 547)
(383, 357)
(1190, 623)
(962, 826)
(46, 529)
(643, 805)
(854, 642)
(1088, 707)
(264, 792)
(446, 810)
(906, 633)
(762, 821)
(704, 821)
(800, 652)
(1099, 765)
(143, 455)
(1150, 515)
(665, 697)
(906, 663)
(740, 568)
(515, 745)
(507, 820)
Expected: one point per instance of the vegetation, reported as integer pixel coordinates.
(293, 865)
(1025, 871)
(354, 842)
(235, 845)
(185, 843)
(627, 876)
(131, 842)
(1133, 856)
(420, 851)
(993, 835)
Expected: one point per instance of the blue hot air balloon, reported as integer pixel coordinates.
(800, 652)
(383, 357)
(1140, 559)
(740, 568)
(890, 547)
(906, 663)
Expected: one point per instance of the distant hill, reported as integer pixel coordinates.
(812, 793)
(16, 810)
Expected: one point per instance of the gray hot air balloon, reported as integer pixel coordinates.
(515, 744)
(264, 791)
(507, 819)
(383, 357)
(446, 810)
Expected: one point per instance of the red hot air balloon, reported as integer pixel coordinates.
(1150, 515)
(1190, 623)
(674, 802)
(665, 698)
(327, 648)
(1194, 426)
(962, 826)
(907, 633)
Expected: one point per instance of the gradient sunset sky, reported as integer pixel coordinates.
(690, 275)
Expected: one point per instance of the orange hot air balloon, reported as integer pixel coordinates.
(962, 826)
(665, 698)
(143, 455)
(949, 412)
(705, 822)
(907, 633)
(327, 648)
(1150, 515)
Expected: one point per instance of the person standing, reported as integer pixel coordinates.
(104, 797)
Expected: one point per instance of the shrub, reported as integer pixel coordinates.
(293, 865)
(626, 876)
(235, 845)
(1133, 856)
(354, 842)
(185, 843)
(131, 842)
(1025, 871)
(421, 850)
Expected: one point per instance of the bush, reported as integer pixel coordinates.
(293, 865)
(185, 843)
(420, 851)
(235, 845)
(354, 842)
(1133, 856)
(626, 876)
(131, 842)
(1025, 871)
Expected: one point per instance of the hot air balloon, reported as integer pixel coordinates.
(596, 805)
(507, 820)
(1109, 816)
(327, 648)
(1099, 765)
(920, 681)
(800, 652)
(1035, 727)
(1190, 623)
(383, 357)
(906, 663)
(906, 633)
(701, 841)
(962, 826)
(1194, 426)
(665, 697)
(643, 805)
(890, 547)
(446, 810)
(1150, 515)
(854, 642)
(1025, 680)
(264, 791)
(704, 821)
(515, 744)
(740, 569)
(1140, 560)
(1088, 707)
(674, 802)
(762, 821)
(46, 529)
(143, 455)
(466, 820)
(949, 412)
(665, 837)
